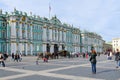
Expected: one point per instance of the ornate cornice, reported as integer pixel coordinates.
(50, 27)
(44, 26)
(31, 24)
(13, 21)
(21, 22)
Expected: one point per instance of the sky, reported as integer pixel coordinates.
(99, 16)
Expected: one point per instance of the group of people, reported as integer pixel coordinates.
(94, 61)
(45, 58)
(16, 57)
(4, 56)
(109, 55)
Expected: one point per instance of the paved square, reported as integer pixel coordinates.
(38, 77)
(59, 69)
(4, 73)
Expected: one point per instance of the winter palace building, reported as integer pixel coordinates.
(31, 34)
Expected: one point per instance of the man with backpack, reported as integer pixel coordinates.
(5, 55)
(2, 59)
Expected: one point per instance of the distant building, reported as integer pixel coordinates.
(107, 46)
(31, 34)
(90, 39)
(116, 43)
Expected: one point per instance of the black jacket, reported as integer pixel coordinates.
(93, 58)
(117, 56)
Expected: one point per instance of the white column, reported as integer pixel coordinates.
(56, 35)
(23, 47)
(44, 34)
(65, 47)
(74, 38)
(13, 30)
(13, 36)
(26, 49)
(31, 49)
(53, 34)
(77, 38)
(52, 49)
(60, 35)
(17, 46)
(7, 47)
(50, 35)
(65, 36)
(13, 48)
(60, 47)
(20, 47)
(78, 49)
(20, 31)
(26, 31)
(31, 33)
(44, 48)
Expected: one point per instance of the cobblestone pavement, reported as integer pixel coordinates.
(59, 69)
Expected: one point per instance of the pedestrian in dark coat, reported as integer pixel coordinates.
(2, 59)
(93, 61)
(13, 56)
(117, 58)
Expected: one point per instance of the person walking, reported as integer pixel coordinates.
(111, 54)
(117, 58)
(40, 55)
(5, 55)
(93, 61)
(13, 56)
(16, 57)
(2, 59)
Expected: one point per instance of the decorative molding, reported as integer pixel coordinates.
(31, 24)
(53, 28)
(23, 18)
(25, 22)
(21, 22)
(13, 21)
(50, 27)
(44, 26)
(65, 30)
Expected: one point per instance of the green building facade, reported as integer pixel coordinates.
(31, 34)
